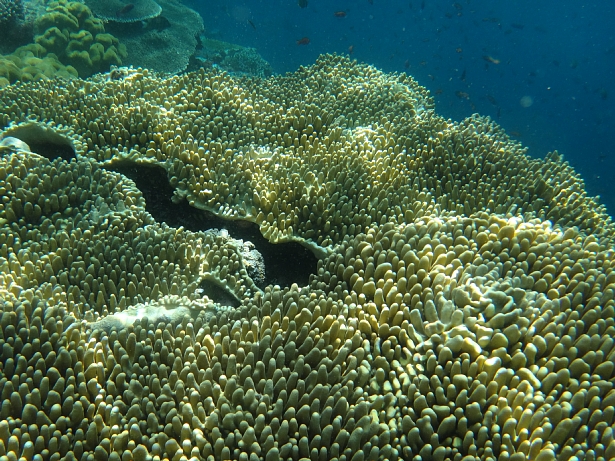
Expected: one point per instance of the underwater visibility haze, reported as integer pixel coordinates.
(303, 229)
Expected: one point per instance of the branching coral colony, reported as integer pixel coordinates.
(462, 307)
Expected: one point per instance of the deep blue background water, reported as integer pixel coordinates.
(557, 55)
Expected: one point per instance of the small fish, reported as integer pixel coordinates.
(491, 19)
(252, 24)
(340, 14)
(407, 63)
(302, 3)
(463, 76)
(371, 2)
(492, 100)
(350, 49)
(459, 50)
(517, 26)
(458, 6)
(462, 95)
(125, 9)
(491, 59)
(303, 41)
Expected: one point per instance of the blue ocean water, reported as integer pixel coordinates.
(545, 71)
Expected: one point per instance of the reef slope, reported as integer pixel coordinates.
(462, 307)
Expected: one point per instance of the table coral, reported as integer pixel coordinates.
(119, 11)
(164, 44)
(461, 309)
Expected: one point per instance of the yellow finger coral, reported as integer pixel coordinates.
(461, 307)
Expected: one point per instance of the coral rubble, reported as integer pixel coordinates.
(462, 307)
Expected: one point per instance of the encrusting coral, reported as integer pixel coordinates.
(70, 31)
(462, 307)
(32, 62)
(69, 41)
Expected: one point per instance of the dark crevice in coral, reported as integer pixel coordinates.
(153, 183)
(285, 263)
(218, 294)
(51, 150)
(44, 141)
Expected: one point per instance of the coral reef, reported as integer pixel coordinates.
(15, 24)
(463, 305)
(166, 43)
(11, 12)
(235, 59)
(120, 11)
(10, 144)
(78, 39)
(168, 309)
(32, 62)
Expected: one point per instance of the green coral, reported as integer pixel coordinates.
(56, 18)
(69, 42)
(32, 62)
(9, 71)
(53, 40)
(77, 38)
